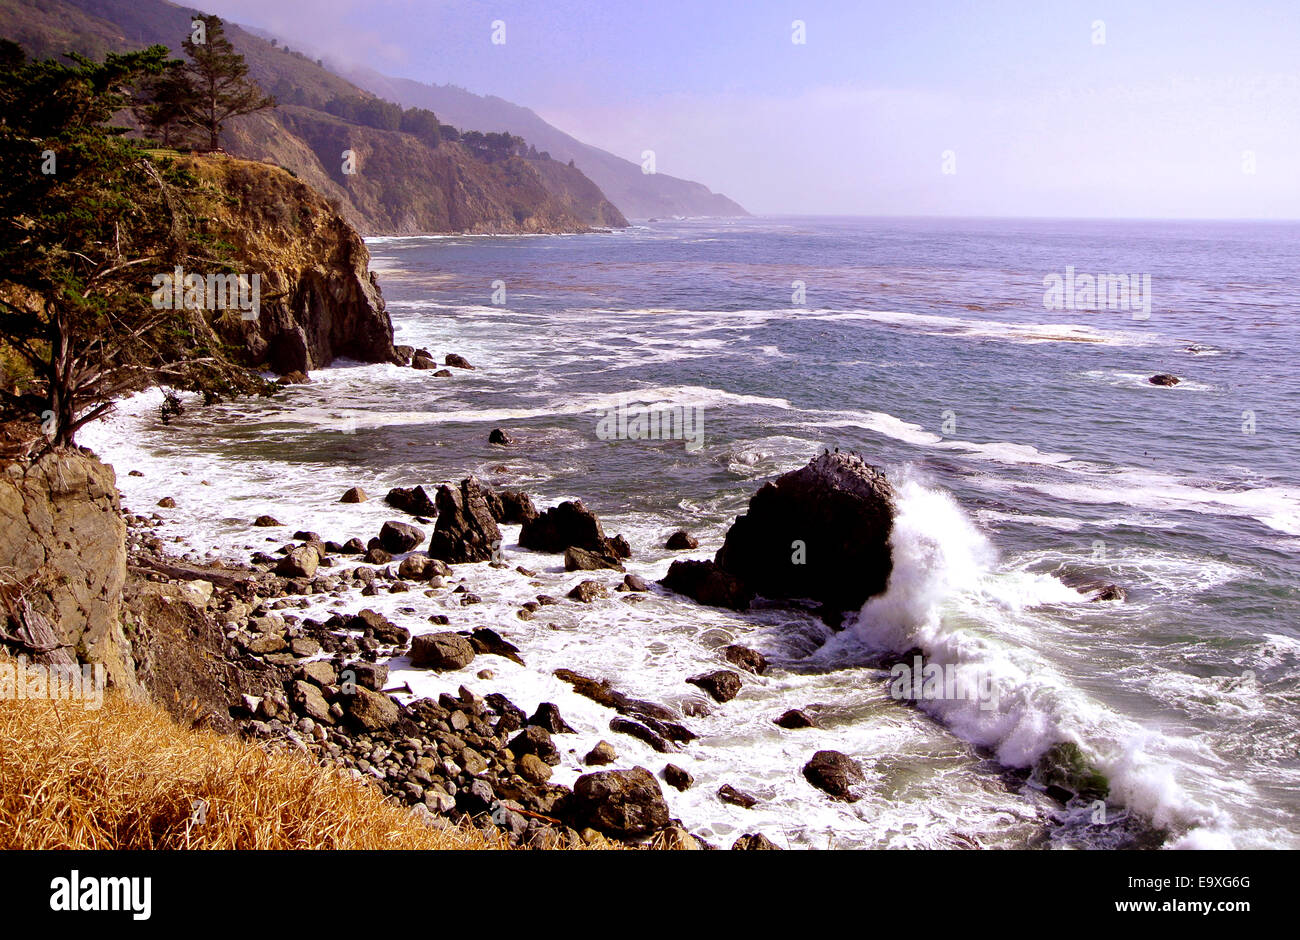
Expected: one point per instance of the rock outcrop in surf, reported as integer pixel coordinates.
(820, 532)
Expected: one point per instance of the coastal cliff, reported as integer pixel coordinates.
(318, 299)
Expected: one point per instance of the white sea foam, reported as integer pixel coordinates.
(949, 596)
(970, 328)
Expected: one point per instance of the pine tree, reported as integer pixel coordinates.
(215, 85)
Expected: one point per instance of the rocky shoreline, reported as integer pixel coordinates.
(322, 687)
(256, 667)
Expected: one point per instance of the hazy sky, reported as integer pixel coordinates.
(1186, 109)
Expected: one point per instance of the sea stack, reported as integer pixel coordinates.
(820, 532)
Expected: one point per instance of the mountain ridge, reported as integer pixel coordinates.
(638, 195)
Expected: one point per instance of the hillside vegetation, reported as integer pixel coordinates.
(406, 182)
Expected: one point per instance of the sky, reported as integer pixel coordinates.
(1055, 108)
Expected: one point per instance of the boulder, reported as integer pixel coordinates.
(794, 718)
(587, 591)
(422, 568)
(399, 537)
(415, 501)
(579, 559)
(548, 716)
(301, 562)
(498, 436)
(723, 684)
(457, 361)
(620, 547)
(708, 584)
(467, 530)
(516, 507)
(746, 658)
(487, 640)
(423, 362)
(641, 733)
(681, 541)
(820, 532)
(1164, 379)
(634, 582)
(308, 701)
(371, 710)
(729, 794)
(754, 842)
(355, 495)
(441, 651)
(600, 755)
(534, 739)
(533, 769)
(620, 803)
(570, 523)
(678, 777)
(265, 522)
(834, 773)
(377, 556)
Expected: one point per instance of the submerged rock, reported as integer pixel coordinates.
(681, 541)
(1164, 379)
(820, 532)
(835, 773)
(723, 685)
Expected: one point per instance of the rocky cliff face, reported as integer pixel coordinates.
(63, 556)
(403, 187)
(318, 299)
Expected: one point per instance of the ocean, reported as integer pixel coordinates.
(1025, 443)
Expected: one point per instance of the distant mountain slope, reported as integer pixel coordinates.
(403, 185)
(639, 195)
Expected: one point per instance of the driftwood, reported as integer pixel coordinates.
(185, 572)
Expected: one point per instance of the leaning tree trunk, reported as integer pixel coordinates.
(62, 382)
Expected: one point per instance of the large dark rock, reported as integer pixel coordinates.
(415, 501)
(399, 537)
(535, 739)
(708, 584)
(681, 541)
(820, 532)
(1165, 379)
(833, 772)
(723, 685)
(619, 803)
(516, 507)
(466, 529)
(441, 651)
(569, 523)
(579, 559)
(745, 658)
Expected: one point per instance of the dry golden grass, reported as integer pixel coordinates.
(126, 776)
